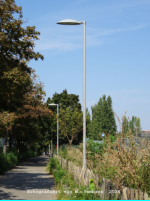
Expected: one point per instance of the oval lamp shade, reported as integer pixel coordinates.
(69, 22)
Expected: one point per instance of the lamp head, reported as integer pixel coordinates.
(69, 22)
(52, 104)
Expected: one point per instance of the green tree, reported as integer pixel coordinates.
(18, 91)
(16, 50)
(133, 125)
(125, 125)
(112, 122)
(88, 121)
(103, 119)
(70, 123)
(64, 100)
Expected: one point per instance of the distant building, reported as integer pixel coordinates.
(144, 133)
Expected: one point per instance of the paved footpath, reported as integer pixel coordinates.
(28, 181)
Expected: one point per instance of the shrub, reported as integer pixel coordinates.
(52, 165)
(58, 175)
(7, 161)
(3, 163)
(11, 160)
(65, 180)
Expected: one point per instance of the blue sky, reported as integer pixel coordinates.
(117, 51)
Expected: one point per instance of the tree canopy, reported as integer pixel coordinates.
(103, 119)
(70, 123)
(133, 125)
(16, 50)
(22, 108)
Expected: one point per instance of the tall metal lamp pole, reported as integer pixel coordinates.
(74, 22)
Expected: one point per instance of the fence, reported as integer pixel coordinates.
(107, 189)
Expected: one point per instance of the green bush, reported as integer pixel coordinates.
(65, 180)
(58, 175)
(3, 163)
(52, 165)
(64, 153)
(7, 161)
(11, 160)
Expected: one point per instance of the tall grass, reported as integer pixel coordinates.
(113, 160)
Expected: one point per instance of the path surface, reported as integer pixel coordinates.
(26, 181)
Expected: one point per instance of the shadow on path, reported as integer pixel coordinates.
(7, 196)
(28, 175)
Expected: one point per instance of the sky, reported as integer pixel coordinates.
(117, 51)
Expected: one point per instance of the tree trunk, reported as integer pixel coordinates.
(18, 145)
(70, 142)
(5, 143)
(10, 142)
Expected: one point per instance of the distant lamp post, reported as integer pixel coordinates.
(74, 22)
(57, 126)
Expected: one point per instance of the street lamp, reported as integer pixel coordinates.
(57, 126)
(74, 22)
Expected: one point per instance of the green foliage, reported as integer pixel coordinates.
(7, 161)
(112, 138)
(70, 123)
(132, 125)
(52, 165)
(92, 185)
(11, 160)
(3, 163)
(88, 120)
(21, 94)
(103, 119)
(65, 101)
(25, 155)
(63, 180)
(94, 148)
(109, 172)
(64, 153)
(142, 174)
(17, 48)
(58, 175)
